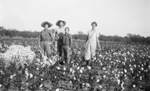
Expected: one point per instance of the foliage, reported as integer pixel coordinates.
(129, 38)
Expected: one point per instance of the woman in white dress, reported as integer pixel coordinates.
(92, 42)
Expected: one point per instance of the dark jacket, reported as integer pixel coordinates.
(67, 40)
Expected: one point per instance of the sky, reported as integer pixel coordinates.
(114, 17)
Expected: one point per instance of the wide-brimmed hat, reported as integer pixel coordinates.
(58, 22)
(94, 23)
(46, 22)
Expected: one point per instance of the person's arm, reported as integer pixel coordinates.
(97, 40)
(87, 37)
(39, 40)
(51, 35)
(56, 34)
(70, 40)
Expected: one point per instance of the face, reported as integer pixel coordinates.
(46, 26)
(66, 30)
(93, 25)
(61, 24)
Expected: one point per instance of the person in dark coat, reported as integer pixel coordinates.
(67, 43)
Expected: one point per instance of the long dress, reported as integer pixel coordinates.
(91, 44)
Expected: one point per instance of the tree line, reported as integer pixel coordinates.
(129, 38)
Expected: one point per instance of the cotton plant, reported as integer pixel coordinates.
(18, 54)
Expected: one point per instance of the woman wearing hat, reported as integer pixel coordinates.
(92, 42)
(59, 36)
(46, 38)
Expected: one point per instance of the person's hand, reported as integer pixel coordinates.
(98, 45)
(50, 43)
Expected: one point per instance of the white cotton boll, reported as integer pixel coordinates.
(57, 89)
(71, 69)
(138, 65)
(58, 68)
(74, 78)
(142, 68)
(134, 86)
(104, 68)
(89, 67)
(37, 68)
(131, 69)
(97, 80)
(27, 74)
(94, 58)
(134, 65)
(142, 65)
(41, 85)
(81, 71)
(125, 70)
(100, 86)
(101, 64)
(122, 85)
(38, 60)
(44, 58)
(64, 68)
(87, 84)
(20, 53)
(104, 76)
(140, 77)
(118, 81)
(0, 85)
(123, 63)
(1, 72)
(11, 76)
(31, 75)
(117, 60)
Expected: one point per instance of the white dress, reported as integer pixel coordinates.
(91, 44)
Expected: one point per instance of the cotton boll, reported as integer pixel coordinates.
(11, 76)
(64, 68)
(81, 71)
(142, 68)
(89, 67)
(104, 76)
(134, 65)
(140, 77)
(125, 70)
(58, 68)
(57, 89)
(100, 86)
(134, 86)
(20, 53)
(97, 80)
(31, 75)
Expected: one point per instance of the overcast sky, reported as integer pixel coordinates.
(114, 17)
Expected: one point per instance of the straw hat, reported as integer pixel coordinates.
(58, 22)
(94, 23)
(46, 22)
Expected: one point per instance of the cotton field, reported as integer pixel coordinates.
(115, 67)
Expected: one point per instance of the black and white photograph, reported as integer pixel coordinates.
(74, 45)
